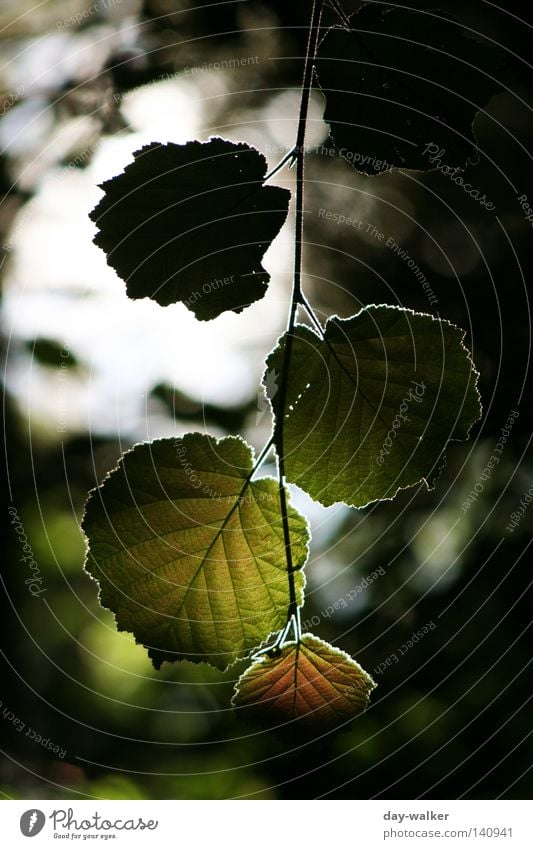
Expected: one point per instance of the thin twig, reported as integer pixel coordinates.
(291, 154)
(314, 29)
(341, 13)
(311, 313)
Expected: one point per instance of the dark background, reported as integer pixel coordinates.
(451, 718)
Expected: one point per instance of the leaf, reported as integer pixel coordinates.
(191, 223)
(190, 557)
(403, 85)
(311, 681)
(370, 408)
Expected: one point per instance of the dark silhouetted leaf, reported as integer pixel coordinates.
(403, 85)
(188, 557)
(310, 681)
(371, 407)
(191, 223)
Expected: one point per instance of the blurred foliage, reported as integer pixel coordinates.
(48, 353)
(452, 714)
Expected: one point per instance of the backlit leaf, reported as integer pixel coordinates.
(403, 85)
(191, 223)
(188, 557)
(370, 408)
(310, 681)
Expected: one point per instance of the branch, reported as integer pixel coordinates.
(312, 43)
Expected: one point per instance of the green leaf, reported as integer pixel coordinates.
(191, 223)
(402, 81)
(370, 408)
(189, 556)
(310, 681)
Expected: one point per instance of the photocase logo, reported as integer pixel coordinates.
(32, 822)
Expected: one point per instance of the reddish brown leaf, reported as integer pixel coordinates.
(310, 681)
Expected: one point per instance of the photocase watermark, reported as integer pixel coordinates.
(80, 159)
(194, 480)
(413, 640)
(85, 14)
(62, 399)
(339, 218)
(401, 416)
(10, 100)
(35, 581)
(343, 601)
(373, 231)
(283, 149)
(526, 208)
(191, 70)
(435, 154)
(364, 160)
(29, 732)
(200, 485)
(166, 77)
(411, 264)
(492, 462)
(222, 65)
(207, 288)
(519, 513)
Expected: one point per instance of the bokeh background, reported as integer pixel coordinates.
(87, 373)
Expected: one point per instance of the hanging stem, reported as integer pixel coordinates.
(299, 152)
